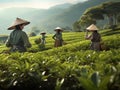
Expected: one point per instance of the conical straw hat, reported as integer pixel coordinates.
(43, 33)
(58, 29)
(18, 21)
(92, 27)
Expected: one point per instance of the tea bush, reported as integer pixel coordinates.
(70, 67)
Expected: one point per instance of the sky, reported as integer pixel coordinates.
(44, 4)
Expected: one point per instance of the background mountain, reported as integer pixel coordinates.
(63, 15)
(35, 16)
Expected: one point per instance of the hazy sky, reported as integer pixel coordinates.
(34, 3)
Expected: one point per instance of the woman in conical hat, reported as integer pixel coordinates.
(43, 38)
(95, 37)
(42, 41)
(18, 39)
(92, 27)
(58, 37)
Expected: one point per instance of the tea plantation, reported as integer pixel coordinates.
(70, 67)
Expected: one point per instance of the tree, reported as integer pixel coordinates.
(95, 12)
(76, 26)
(91, 16)
(86, 20)
(109, 9)
(118, 18)
(32, 34)
(112, 10)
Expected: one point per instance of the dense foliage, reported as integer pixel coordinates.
(111, 10)
(70, 67)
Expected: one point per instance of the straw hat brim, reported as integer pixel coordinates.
(13, 27)
(58, 30)
(18, 21)
(43, 33)
(92, 28)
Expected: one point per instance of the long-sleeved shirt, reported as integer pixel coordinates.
(18, 37)
(43, 39)
(94, 37)
(58, 36)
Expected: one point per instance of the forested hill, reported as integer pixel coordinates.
(69, 16)
(61, 15)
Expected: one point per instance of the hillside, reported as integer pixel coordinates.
(35, 16)
(65, 17)
(72, 14)
(60, 15)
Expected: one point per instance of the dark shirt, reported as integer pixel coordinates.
(18, 37)
(96, 37)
